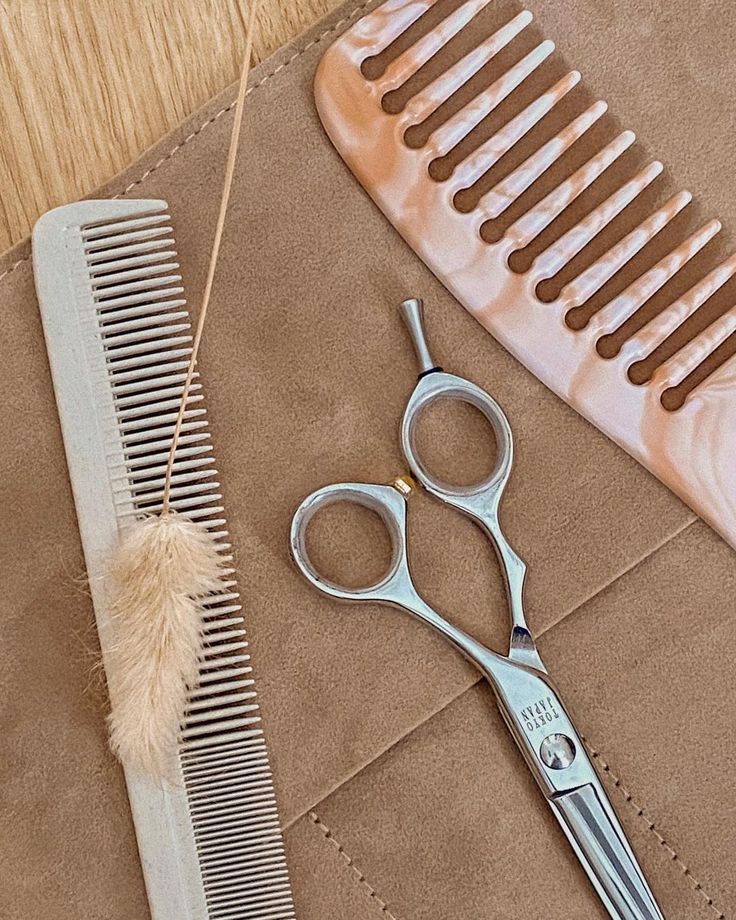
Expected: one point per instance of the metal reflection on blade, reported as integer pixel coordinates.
(600, 843)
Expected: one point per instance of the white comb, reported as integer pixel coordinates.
(118, 338)
(472, 175)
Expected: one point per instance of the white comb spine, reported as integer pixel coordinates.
(161, 815)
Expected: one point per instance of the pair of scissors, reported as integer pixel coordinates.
(536, 717)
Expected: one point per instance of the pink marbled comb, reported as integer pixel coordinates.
(672, 408)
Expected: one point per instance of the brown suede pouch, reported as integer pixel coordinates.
(400, 790)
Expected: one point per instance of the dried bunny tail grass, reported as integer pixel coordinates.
(162, 571)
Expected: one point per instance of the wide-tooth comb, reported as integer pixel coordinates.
(485, 182)
(119, 341)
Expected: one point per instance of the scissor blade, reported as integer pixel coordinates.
(601, 846)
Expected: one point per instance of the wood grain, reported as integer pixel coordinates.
(87, 85)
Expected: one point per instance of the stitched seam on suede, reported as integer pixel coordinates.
(13, 267)
(620, 574)
(650, 824)
(212, 119)
(357, 874)
(478, 679)
(596, 755)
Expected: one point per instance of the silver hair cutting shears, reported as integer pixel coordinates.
(536, 717)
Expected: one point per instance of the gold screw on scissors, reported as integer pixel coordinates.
(404, 484)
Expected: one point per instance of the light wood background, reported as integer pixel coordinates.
(88, 85)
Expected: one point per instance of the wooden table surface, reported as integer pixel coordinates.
(88, 85)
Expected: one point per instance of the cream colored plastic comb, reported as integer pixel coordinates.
(661, 383)
(118, 339)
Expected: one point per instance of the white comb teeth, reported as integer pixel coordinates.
(159, 292)
(95, 231)
(155, 393)
(100, 248)
(120, 276)
(140, 253)
(119, 343)
(143, 321)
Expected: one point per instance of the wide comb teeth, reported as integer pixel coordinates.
(556, 257)
(407, 64)
(660, 327)
(490, 152)
(674, 372)
(463, 172)
(638, 293)
(582, 288)
(429, 100)
(520, 193)
(503, 195)
(444, 139)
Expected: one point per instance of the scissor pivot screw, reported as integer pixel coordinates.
(404, 484)
(557, 751)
